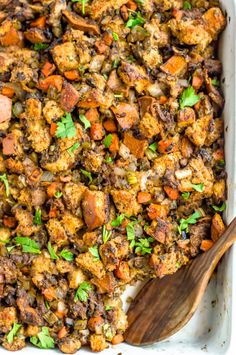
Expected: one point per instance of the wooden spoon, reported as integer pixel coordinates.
(164, 306)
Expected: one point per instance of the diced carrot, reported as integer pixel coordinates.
(206, 244)
(39, 22)
(122, 271)
(49, 293)
(117, 339)
(217, 227)
(92, 115)
(100, 46)
(177, 14)
(124, 12)
(7, 91)
(155, 211)
(53, 128)
(144, 197)
(52, 80)
(11, 38)
(136, 146)
(48, 69)
(114, 147)
(72, 75)
(107, 38)
(35, 176)
(97, 131)
(62, 333)
(52, 213)
(165, 146)
(132, 5)
(197, 82)
(9, 222)
(163, 99)
(95, 322)
(110, 125)
(175, 65)
(197, 105)
(52, 188)
(173, 194)
(218, 154)
(127, 115)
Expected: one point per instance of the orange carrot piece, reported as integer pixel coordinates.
(49, 293)
(97, 131)
(53, 128)
(122, 271)
(173, 194)
(163, 99)
(11, 38)
(72, 75)
(206, 244)
(197, 82)
(107, 38)
(52, 188)
(35, 176)
(165, 146)
(110, 125)
(132, 5)
(94, 322)
(117, 339)
(52, 80)
(144, 197)
(9, 222)
(155, 211)
(62, 333)
(218, 154)
(52, 213)
(100, 46)
(175, 65)
(48, 69)
(92, 115)
(124, 12)
(114, 147)
(7, 91)
(39, 22)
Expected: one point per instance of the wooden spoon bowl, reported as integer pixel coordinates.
(164, 306)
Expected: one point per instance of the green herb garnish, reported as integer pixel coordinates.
(215, 82)
(115, 36)
(130, 233)
(67, 255)
(117, 222)
(13, 332)
(188, 98)
(37, 217)
(153, 147)
(58, 194)
(52, 251)
(43, 340)
(143, 246)
(73, 148)
(85, 121)
(107, 140)
(187, 5)
(28, 245)
(82, 292)
(108, 160)
(87, 174)
(220, 208)
(185, 195)
(83, 3)
(198, 187)
(108, 308)
(115, 63)
(40, 46)
(135, 19)
(192, 219)
(66, 127)
(94, 251)
(105, 234)
(6, 183)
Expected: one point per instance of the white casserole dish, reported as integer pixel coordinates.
(212, 329)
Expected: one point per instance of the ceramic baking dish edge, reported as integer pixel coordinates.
(212, 330)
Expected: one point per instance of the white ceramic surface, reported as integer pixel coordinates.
(212, 330)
